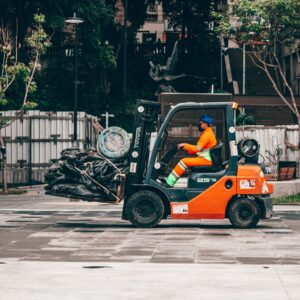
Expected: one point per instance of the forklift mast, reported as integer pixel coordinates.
(145, 121)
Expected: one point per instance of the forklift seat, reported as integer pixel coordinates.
(216, 156)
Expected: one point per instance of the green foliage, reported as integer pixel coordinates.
(189, 16)
(3, 101)
(244, 119)
(292, 199)
(268, 28)
(29, 105)
(38, 39)
(4, 121)
(107, 57)
(137, 13)
(100, 63)
(12, 70)
(9, 68)
(266, 23)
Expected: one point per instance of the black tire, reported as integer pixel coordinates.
(244, 213)
(144, 209)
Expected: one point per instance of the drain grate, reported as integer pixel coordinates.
(97, 267)
(217, 234)
(278, 232)
(88, 231)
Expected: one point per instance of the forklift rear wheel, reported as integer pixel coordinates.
(144, 209)
(244, 213)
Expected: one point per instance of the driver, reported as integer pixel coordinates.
(206, 141)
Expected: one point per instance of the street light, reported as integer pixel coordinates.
(244, 68)
(75, 21)
(223, 52)
(125, 3)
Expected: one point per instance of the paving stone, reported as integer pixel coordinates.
(40, 231)
(49, 234)
(170, 260)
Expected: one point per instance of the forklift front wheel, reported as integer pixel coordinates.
(244, 213)
(144, 209)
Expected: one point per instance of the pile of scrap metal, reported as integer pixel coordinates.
(96, 175)
(85, 175)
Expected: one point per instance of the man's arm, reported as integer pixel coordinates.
(191, 149)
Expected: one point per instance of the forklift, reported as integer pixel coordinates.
(233, 187)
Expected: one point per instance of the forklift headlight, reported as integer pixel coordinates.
(157, 166)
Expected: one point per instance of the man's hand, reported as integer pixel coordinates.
(180, 146)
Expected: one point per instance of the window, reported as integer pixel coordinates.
(152, 12)
(149, 38)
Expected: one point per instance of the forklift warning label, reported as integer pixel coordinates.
(247, 184)
(133, 167)
(233, 148)
(180, 209)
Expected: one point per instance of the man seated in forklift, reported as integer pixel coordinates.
(207, 140)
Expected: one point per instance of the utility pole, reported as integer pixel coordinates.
(125, 56)
(244, 69)
(75, 21)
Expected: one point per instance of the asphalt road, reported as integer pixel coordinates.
(43, 238)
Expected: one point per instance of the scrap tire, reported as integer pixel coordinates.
(244, 213)
(144, 209)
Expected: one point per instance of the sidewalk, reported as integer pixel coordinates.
(286, 188)
(54, 248)
(79, 281)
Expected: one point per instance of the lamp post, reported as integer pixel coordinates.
(75, 21)
(221, 69)
(125, 3)
(223, 51)
(244, 68)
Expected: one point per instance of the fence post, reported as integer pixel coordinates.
(284, 144)
(30, 152)
(4, 165)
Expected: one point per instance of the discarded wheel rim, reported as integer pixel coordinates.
(113, 142)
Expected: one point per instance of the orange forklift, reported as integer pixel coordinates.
(234, 187)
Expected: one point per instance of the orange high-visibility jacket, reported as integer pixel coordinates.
(207, 140)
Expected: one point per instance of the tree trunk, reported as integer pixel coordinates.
(4, 166)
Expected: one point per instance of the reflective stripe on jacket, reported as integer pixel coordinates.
(205, 154)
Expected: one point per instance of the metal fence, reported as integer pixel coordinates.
(34, 141)
(272, 139)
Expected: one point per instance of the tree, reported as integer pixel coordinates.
(199, 45)
(268, 28)
(37, 41)
(191, 17)
(100, 61)
(98, 27)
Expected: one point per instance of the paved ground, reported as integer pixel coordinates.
(51, 245)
